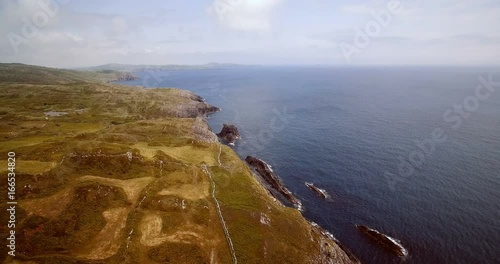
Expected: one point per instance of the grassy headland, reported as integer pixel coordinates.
(131, 175)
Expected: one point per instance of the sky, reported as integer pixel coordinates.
(80, 33)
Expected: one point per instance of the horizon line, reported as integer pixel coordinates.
(262, 65)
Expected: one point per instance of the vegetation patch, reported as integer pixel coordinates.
(50, 207)
(176, 253)
(132, 187)
(75, 227)
(34, 166)
(110, 238)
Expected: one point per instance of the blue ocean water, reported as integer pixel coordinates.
(346, 129)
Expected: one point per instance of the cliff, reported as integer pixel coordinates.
(133, 175)
(265, 171)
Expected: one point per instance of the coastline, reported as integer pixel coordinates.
(273, 182)
(144, 174)
(329, 244)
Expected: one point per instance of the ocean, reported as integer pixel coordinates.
(413, 152)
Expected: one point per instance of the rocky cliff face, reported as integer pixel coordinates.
(202, 131)
(265, 171)
(194, 106)
(229, 133)
(330, 249)
(194, 110)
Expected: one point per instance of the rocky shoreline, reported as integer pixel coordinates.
(329, 236)
(329, 245)
(265, 171)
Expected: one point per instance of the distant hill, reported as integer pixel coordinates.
(30, 74)
(141, 67)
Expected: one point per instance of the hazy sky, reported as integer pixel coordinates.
(72, 33)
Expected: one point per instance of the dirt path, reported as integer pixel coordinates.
(218, 157)
(219, 212)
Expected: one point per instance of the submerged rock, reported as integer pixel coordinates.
(386, 241)
(229, 133)
(265, 171)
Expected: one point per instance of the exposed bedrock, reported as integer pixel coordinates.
(265, 171)
(386, 241)
(229, 133)
(320, 192)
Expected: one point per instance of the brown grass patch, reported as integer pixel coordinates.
(33, 166)
(109, 240)
(187, 191)
(50, 207)
(132, 187)
(151, 235)
(188, 154)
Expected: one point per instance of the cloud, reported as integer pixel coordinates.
(466, 39)
(245, 15)
(66, 38)
(356, 9)
(349, 35)
(248, 31)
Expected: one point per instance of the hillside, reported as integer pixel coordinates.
(113, 174)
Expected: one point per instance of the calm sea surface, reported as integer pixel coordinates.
(347, 129)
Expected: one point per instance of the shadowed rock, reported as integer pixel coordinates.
(265, 171)
(229, 133)
(386, 241)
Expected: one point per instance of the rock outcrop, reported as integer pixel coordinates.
(265, 171)
(330, 247)
(386, 241)
(229, 133)
(320, 192)
(200, 109)
(126, 76)
(194, 107)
